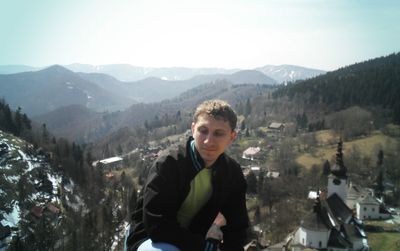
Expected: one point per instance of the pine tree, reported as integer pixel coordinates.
(327, 168)
(247, 109)
(251, 183)
(45, 134)
(18, 122)
(380, 188)
(243, 125)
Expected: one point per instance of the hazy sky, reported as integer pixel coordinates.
(244, 34)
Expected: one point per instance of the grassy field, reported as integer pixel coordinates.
(325, 137)
(384, 241)
(326, 150)
(307, 160)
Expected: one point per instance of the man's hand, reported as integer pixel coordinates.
(215, 230)
(214, 233)
(220, 220)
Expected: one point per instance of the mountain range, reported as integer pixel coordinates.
(129, 73)
(79, 124)
(39, 92)
(84, 106)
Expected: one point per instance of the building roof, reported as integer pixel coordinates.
(339, 209)
(52, 208)
(271, 174)
(110, 160)
(336, 239)
(37, 211)
(275, 125)
(251, 151)
(368, 200)
(316, 222)
(352, 232)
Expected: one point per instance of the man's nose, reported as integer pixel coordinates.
(209, 138)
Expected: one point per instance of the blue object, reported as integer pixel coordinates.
(148, 245)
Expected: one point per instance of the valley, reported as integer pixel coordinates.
(55, 194)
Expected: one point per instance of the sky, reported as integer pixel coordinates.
(246, 34)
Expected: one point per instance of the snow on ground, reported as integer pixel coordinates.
(7, 167)
(12, 219)
(119, 235)
(55, 180)
(79, 205)
(12, 179)
(27, 160)
(34, 196)
(70, 186)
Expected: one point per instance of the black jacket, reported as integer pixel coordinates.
(166, 188)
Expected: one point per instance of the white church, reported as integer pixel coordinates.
(334, 223)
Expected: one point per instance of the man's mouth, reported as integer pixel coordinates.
(208, 149)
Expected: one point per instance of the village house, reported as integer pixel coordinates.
(364, 203)
(277, 126)
(369, 208)
(251, 153)
(110, 163)
(272, 174)
(275, 130)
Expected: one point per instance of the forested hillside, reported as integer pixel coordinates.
(375, 82)
(51, 197)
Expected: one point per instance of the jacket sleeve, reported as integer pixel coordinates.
(160, 206)
(235, 212)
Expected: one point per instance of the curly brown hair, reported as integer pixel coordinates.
(217, 109)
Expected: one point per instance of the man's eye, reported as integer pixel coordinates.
(219, 134)
(203, 131)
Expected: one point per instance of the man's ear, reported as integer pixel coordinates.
(193, 125)
(233, 136)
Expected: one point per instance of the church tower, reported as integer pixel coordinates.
(337, 180)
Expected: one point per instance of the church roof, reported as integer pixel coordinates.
(318, 219)
(352, 232)
(316, 222)
(339, 209)
(336, 239)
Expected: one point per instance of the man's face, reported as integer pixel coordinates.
(212, 136)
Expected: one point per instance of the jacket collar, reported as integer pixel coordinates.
(197, 160)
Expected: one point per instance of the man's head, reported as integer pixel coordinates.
(219, 110)
(213, 129)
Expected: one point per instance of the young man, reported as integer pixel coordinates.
(189, 186)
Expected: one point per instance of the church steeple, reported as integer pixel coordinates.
(339, 169)
(337, 180)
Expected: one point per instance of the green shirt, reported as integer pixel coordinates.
(199, 194)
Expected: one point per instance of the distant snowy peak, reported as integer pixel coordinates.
(286, 73)
(128, 73)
